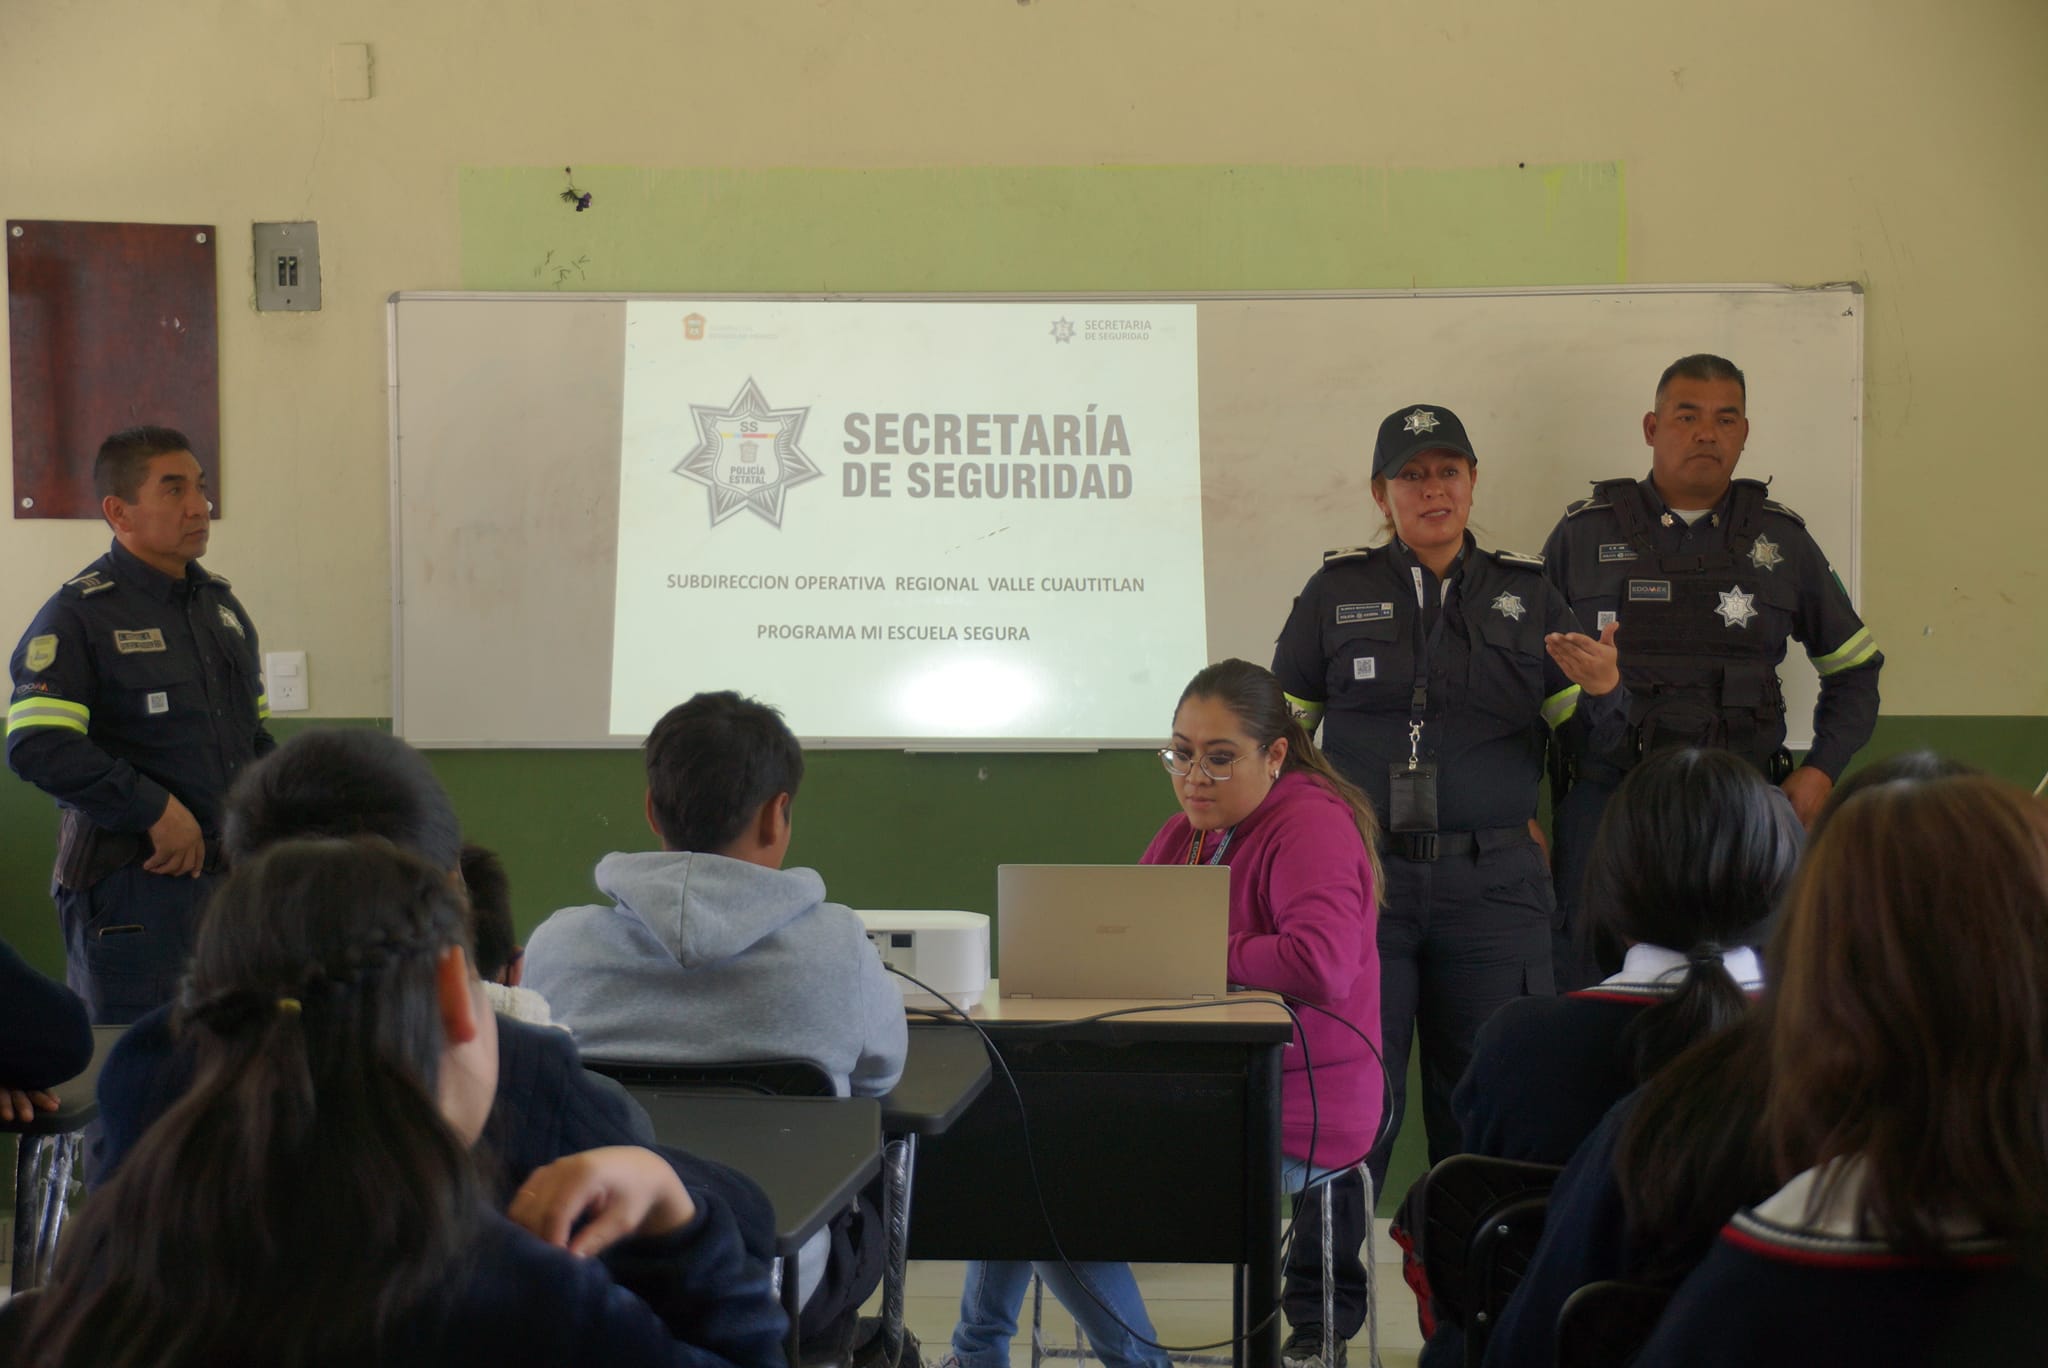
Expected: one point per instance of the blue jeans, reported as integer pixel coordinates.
(994, 1293)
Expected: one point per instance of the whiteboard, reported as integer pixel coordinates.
(505, 415)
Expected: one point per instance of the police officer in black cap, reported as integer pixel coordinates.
(137, 700)
(1439, 671)
(1708, 579)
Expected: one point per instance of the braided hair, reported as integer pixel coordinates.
(306, 1193)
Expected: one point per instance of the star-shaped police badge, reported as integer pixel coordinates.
(747, 455)
(1422, 420)
(1062, 330)
(1737, 608)
(1509, 604)
(1765, 555)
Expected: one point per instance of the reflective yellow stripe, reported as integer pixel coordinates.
(263, 707)
(39, 711)
(1851, 653)
(1558, 708)
(1309, 713)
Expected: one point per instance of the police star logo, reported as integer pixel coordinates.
(229, 620)
(747, 455)
(1509, 604)
(1765, 555)
(1737, 608)
(1422, 420)
(1062, 330)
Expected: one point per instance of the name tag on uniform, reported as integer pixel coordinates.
(1365, 667)
(1649, 591)
(159, 703)
(1363, 612)
(1617, 551)
(131, 643)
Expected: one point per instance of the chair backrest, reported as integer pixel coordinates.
(753, 1077)
(1463, 1201)
(1604, 1324)
(1501, 1251)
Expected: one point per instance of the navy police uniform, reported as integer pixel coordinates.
(130, 687)
(1706, 607)
(1465, 918)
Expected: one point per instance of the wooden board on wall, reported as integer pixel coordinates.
(109, 325)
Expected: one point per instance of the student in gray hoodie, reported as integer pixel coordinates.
(711, 952)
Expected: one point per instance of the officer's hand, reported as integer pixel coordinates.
(21, 1107)
(1808, 788)
(180, 846)
(1595, 666)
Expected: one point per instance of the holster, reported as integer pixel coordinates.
(87, 853)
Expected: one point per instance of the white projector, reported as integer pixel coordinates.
(948, 950)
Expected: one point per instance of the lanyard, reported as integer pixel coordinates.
(1195, 848)
(1425, 650)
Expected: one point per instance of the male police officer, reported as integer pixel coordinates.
(137, 699)
(1708, 578)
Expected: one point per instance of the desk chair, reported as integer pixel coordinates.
(1481, 1219)
(1040, 1351)
(1603, 1324)
(45, 1160)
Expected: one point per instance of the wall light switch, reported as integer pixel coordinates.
(284, 679)
(287, 266)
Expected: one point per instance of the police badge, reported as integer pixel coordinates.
(747, 455)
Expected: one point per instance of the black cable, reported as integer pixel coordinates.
(1031, 1160)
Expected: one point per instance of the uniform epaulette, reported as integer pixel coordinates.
(221, 580)
(1516, 558)
(1773, 506)
(90, 583)
(1348, 553)
(1578, 506)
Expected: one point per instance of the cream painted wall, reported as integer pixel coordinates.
(1901, 144)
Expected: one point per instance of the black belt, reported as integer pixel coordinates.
(1426, 846)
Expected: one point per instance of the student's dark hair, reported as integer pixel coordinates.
(1701, 366)
(490, 908)
(306, 1192)
(1257, 701)
(1911, 1004)
(712, 762)
(1693, 853)
(344, 781)
(123, 459)
(1692, 1152)
(1912, 766)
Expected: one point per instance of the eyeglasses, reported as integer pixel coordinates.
(1180, 764)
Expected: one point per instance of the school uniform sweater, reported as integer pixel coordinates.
(44, 1035)
(1303, 923)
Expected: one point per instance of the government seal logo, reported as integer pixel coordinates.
(747, 455)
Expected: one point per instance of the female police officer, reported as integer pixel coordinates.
(1436, 669)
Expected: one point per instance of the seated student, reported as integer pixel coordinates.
(1645, 1196)
(45, 1038)
(358, 781)
(500, 959)
(312, 1198)
(1257, 796)
(1692, 856)
(711, 952)
(1905, 1107)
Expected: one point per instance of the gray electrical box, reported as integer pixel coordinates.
(287, 266)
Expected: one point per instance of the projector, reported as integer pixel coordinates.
(948, 950)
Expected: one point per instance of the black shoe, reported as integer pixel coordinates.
(1304, 1349)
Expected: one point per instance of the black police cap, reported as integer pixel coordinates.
(1413, 430)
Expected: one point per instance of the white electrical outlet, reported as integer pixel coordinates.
(284, 679)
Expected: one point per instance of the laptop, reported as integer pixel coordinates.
(1112, 931)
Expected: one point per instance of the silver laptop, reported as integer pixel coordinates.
(1112, 931)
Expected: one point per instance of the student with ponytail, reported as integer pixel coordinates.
(1691, 859)
(1299, 841)
(311, 1199)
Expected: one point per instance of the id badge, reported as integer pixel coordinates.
(1411, 797)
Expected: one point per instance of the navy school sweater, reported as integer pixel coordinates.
(44, 1035)
(1544, 1071)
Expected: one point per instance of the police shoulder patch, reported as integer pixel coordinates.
(1773, 506)
(41, 653)
(1344, 553)
(90, 583)
(1516, 558)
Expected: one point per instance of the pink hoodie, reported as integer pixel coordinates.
(1304, 918)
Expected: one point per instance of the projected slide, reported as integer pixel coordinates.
(911, 521)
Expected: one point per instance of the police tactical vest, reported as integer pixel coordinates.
(1694, 682)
